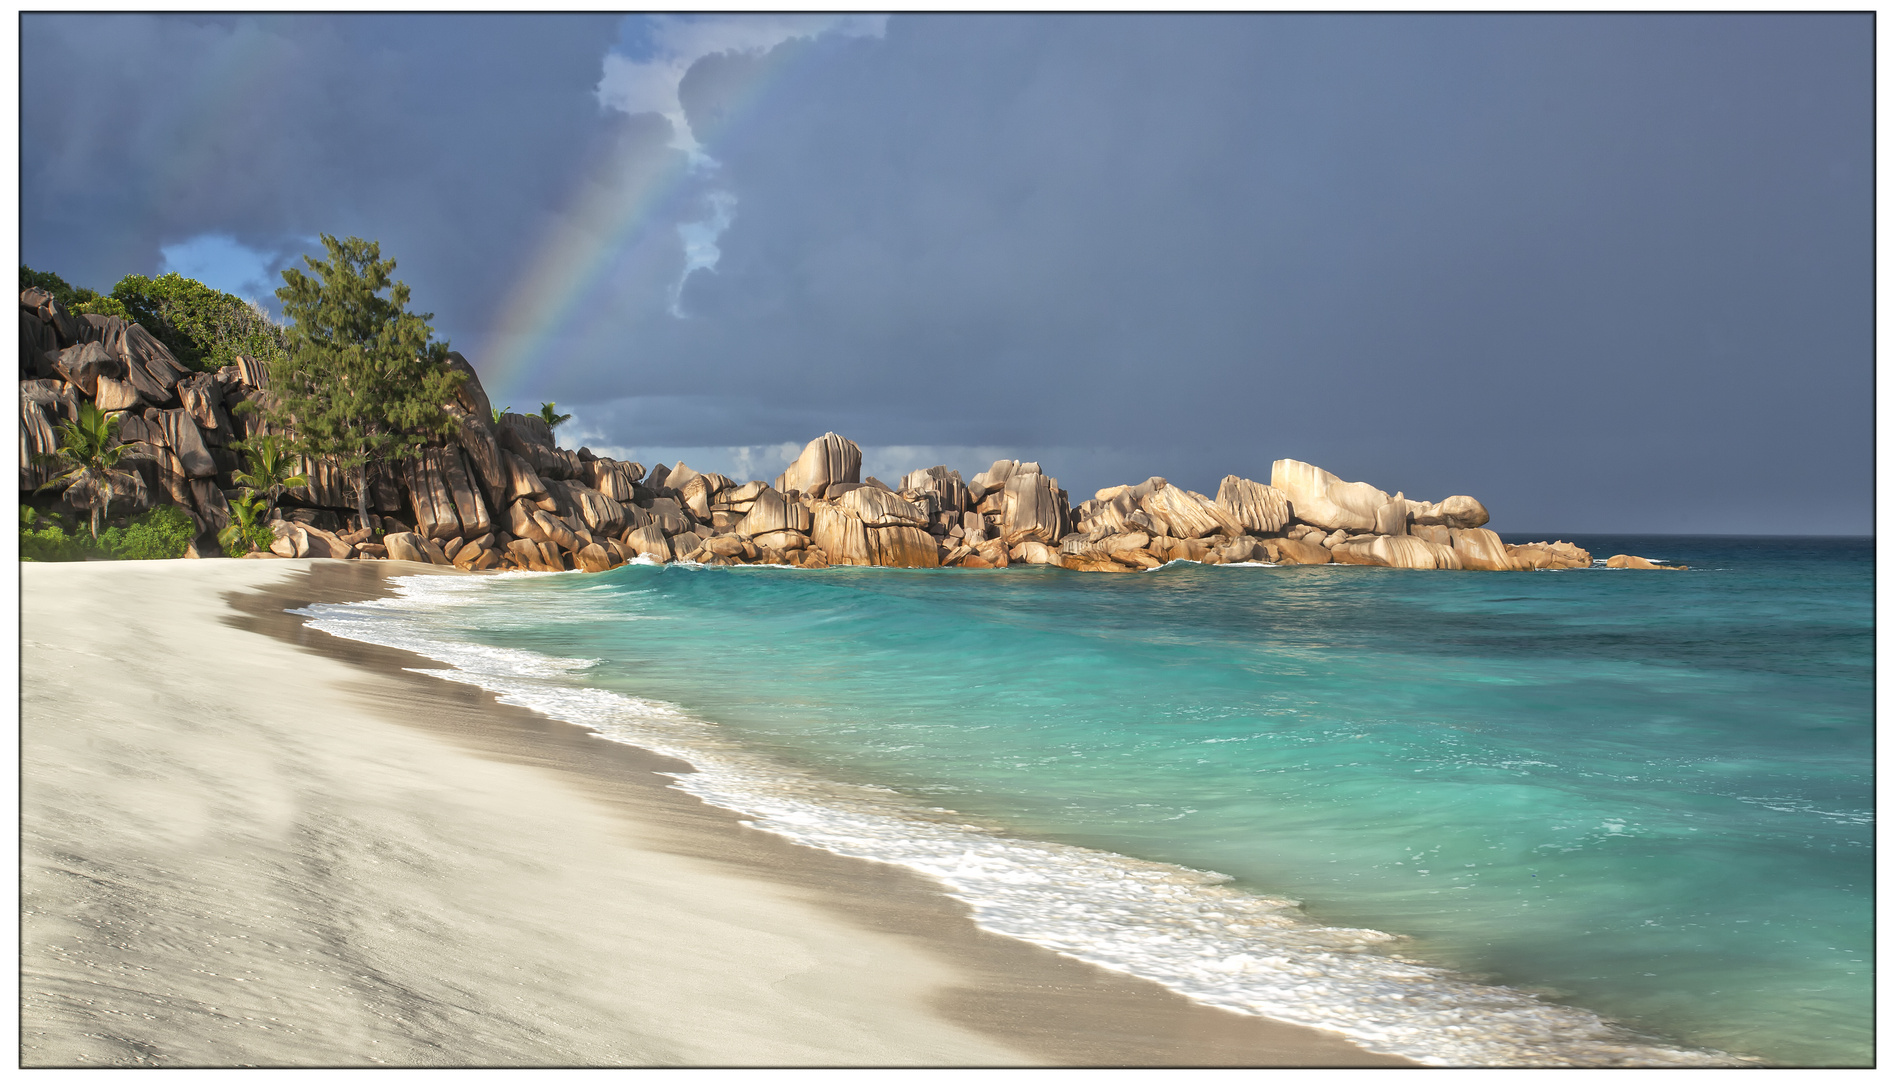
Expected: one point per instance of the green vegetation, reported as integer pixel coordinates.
(247, 531)
(552, 415)
(271, 470)
(360, 373)
(498, 413)
(204, 328)
(162, 532)
(76, 300)
(89, 457)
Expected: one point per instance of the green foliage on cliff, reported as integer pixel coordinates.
(162, 532)
(76, 300)
(360, 374)
(204, 328)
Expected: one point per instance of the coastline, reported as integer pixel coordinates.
(442, 879)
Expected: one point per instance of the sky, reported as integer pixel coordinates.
(1606, 273)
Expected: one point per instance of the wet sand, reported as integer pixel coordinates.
(249, 843)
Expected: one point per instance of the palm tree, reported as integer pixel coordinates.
(246, 514)
(551, 415)
(269, 474)
(89, 454)
(500, 412)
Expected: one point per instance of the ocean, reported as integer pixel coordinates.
(1584, 817)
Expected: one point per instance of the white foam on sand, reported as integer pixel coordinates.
(1176, 926)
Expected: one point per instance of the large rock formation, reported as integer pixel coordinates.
(505, 495)
(831, 459)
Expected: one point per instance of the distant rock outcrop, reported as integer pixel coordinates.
(505, 495)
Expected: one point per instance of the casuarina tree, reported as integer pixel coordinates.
(361, 379)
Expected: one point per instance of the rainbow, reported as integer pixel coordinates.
(600, 224)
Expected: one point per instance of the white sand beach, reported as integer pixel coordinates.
(243, 845)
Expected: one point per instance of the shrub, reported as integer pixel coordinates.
(54, 544)
(162, 532)
(205, 329)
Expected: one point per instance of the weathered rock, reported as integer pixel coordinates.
(1480, 549)
(781, 540)
(39, 346)
(831, 459)
(469, 504)
(593, 559)
(523, 483)
(1033, 508)
(877, 507)
(614, 479)
(81, 365)
(1261, 509)
(1357, 551)
(1029, 552)
(841, 536)
(1433, 534)
(555, 530)
(182, 436)
(203, 398)
(1295, 552)
(1559, 555)
(1455, 512)
(1391, 518)
(949, 489)
(252, 372)
(1320, 498)
(38, 438)
(211, 506)
(1635, 562)
(430, 496)
(669, 517)
(902, 546)
(770, 513)
(598, 513)
(987, 483)
(528, 428)
(1188, 514)
(111, 395)
(1414, 553)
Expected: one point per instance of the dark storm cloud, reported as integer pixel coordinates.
(441, 138)
(1617, 262)
(1605, 272)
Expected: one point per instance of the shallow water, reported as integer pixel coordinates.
(1646, 795)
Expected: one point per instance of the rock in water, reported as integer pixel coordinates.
(1321, 499)
(1634, 562)
(831, 459)
(770, 512)
(593, 559)
(1033, 508)
(1295, 552)
(1259, 508)
(402, 547)
(1480, 549)
(874, 506)
(1455, 512)
(1188, 514)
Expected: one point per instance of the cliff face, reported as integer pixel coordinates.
(506, 496)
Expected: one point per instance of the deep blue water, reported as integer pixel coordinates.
(1646, 794)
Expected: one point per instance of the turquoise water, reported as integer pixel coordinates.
(1647, 795)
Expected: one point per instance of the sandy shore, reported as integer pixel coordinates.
(247, 843)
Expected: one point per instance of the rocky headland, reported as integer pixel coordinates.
(501, 494)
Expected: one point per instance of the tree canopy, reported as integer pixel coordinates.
(360, 378)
